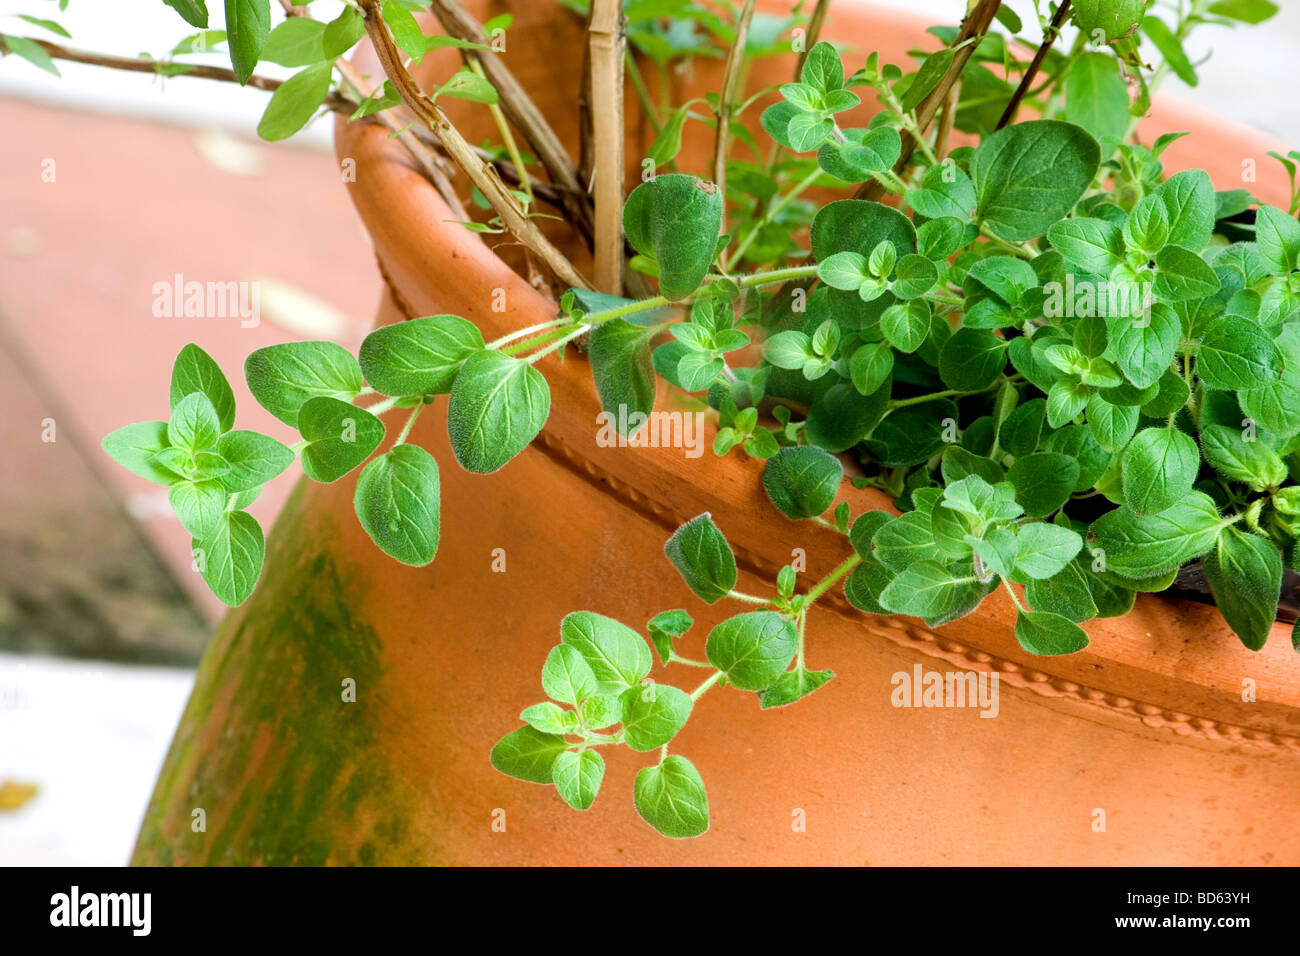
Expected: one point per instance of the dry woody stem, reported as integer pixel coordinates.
(522, 113)
(607, 42)
(463, 154)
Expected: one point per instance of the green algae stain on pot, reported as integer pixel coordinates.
(285, 769)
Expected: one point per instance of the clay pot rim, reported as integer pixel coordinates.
(1138, 668)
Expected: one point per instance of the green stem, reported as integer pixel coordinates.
(674, 658)
(525, 182)
(642, 92)
(524, 333)
(700, 691)
(380, 407)
(826, 583)
(773, 211)
(1007, 584)
(750, 598)
(410, 421)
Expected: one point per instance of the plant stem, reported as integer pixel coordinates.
(772, 213)
(524, 333)
(700, 691)
(730, 78)
(750, 598)
(508, 139)
(673, 658)
(410, 421)
(642, 91)
(814, 31)
(826, 583)
(380, 407)
(1049, 38)
(606, 44)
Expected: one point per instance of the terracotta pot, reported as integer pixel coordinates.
(1145, 732)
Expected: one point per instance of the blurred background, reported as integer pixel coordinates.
(110, 183)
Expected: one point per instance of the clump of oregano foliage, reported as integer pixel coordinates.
(1071, 373)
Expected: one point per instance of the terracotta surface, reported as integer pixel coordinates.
(1146, 727)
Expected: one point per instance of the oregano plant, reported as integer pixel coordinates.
(1070, 373)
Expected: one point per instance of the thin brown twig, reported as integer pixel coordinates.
(972, 31)
(606, 41)
(522, 113)
(481, 174)
(947, 120)
(144, 64)
(435, 169)
(1049, 38)
(814, 32)
(730, 80)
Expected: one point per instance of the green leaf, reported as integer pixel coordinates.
(1189, 200)
(669, 141)
(933, 69)
(870, 366)
(822, 69)
(199, 505)
(577, 775)
(420, 356)
(752, 649)
(652, 714)
(31, 51)
(1245, 574)
(972, 360)
(1277, 237)
(1235, 353)
(1158, 469)
(398, 501)
(134, 446)
(802, 481)
(254, 459)
(1115, 18)
(671, 798)
(248, 24)
(1170, 47)
(1093, 245)
(1138, 546)
(406, 32)
(469, 86)
(923, 589)
(1252, 462)
(1112, 425)
(676, 219)
(1144, 350)
(528, 754)
(1065, 593)
(195, 371)
(699, 551)
(298, 41)
(914, 277)
(194, 425)
(1096, 99)
(342, 33)
(567, 677)
(906, 325)
(295, 102)
(945, 191)
(1047, 634)
(863, 154)
(619, 353)
(1030, 175)
(858, 225)
(283, 377)
(1043, 549)
(792, 686)
(498, 405)
(844, 270)
(1182, 274)
(1043, 481)
(617, 655)
(547, 717)
(230, 557)
(193, 12)
(339, 437)
(1247, 11)
(665, 627)
(904, 541)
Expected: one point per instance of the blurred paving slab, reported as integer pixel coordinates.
(90, 737)
(95, 211)
(77, 576)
